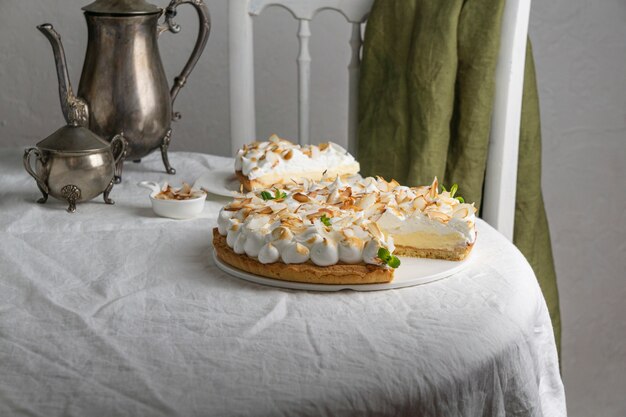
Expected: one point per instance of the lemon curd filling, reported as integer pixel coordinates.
(430, 240)
(273, 178)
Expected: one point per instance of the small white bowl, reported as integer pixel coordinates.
(175, 209)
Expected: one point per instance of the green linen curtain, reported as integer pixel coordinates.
(426, 99)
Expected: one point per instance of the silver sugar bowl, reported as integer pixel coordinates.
(75, 165)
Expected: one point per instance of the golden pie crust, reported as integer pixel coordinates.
(339, 274)
(248, 184)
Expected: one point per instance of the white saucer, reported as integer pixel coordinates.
(219, 181)
(412, 271)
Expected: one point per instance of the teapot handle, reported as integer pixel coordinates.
(121, 148)
(203, 37)
(28, 166)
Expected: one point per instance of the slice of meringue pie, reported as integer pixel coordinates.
(261, 165)
(342, 231)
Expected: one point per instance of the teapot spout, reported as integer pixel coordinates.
(75, 109)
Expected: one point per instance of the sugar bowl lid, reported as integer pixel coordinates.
(121, 7)
(73, 139)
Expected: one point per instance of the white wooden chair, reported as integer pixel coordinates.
(501, 176)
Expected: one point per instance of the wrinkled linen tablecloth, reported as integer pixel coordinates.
(112, 311)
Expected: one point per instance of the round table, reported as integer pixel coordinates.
(113, 311)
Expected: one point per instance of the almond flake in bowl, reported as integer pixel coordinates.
(184, 193)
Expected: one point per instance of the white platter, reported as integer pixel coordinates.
(218, 181)
(412, 271)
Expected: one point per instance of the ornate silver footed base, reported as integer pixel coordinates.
(107, 191)
(72, 194)
(164, 147)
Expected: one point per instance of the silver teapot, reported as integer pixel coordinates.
(75, 165)
(123, 87)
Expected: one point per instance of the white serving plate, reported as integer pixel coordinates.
(219, 182)
(412, 271)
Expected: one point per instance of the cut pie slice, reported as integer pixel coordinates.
(262, 165)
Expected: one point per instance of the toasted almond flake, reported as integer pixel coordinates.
(333, 197)
(461, 213)
(373, 227)
(245, 212)
(349, 202)
(436, 215)
(301, 198)
(353, 208)
(423, 190)
(376, 217)
(434, 188)
(347, 233)
(324, 146)
(419, 203)
(280, 211)
(346, 192)
(326, 211)
(366, 201)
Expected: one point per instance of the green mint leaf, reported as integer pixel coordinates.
(324, 219)
(384, 254)
(454, 189)
(387, 258)
(266, 196)
(393, 262)
(461, 199)
(279, 194)
(443, 188)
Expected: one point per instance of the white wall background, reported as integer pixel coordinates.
(580, 49)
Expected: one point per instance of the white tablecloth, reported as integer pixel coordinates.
(112, 311)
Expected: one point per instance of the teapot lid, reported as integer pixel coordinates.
(73, 139)
(122, 7)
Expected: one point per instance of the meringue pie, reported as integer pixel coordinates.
(342, 231)
(261, 165)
